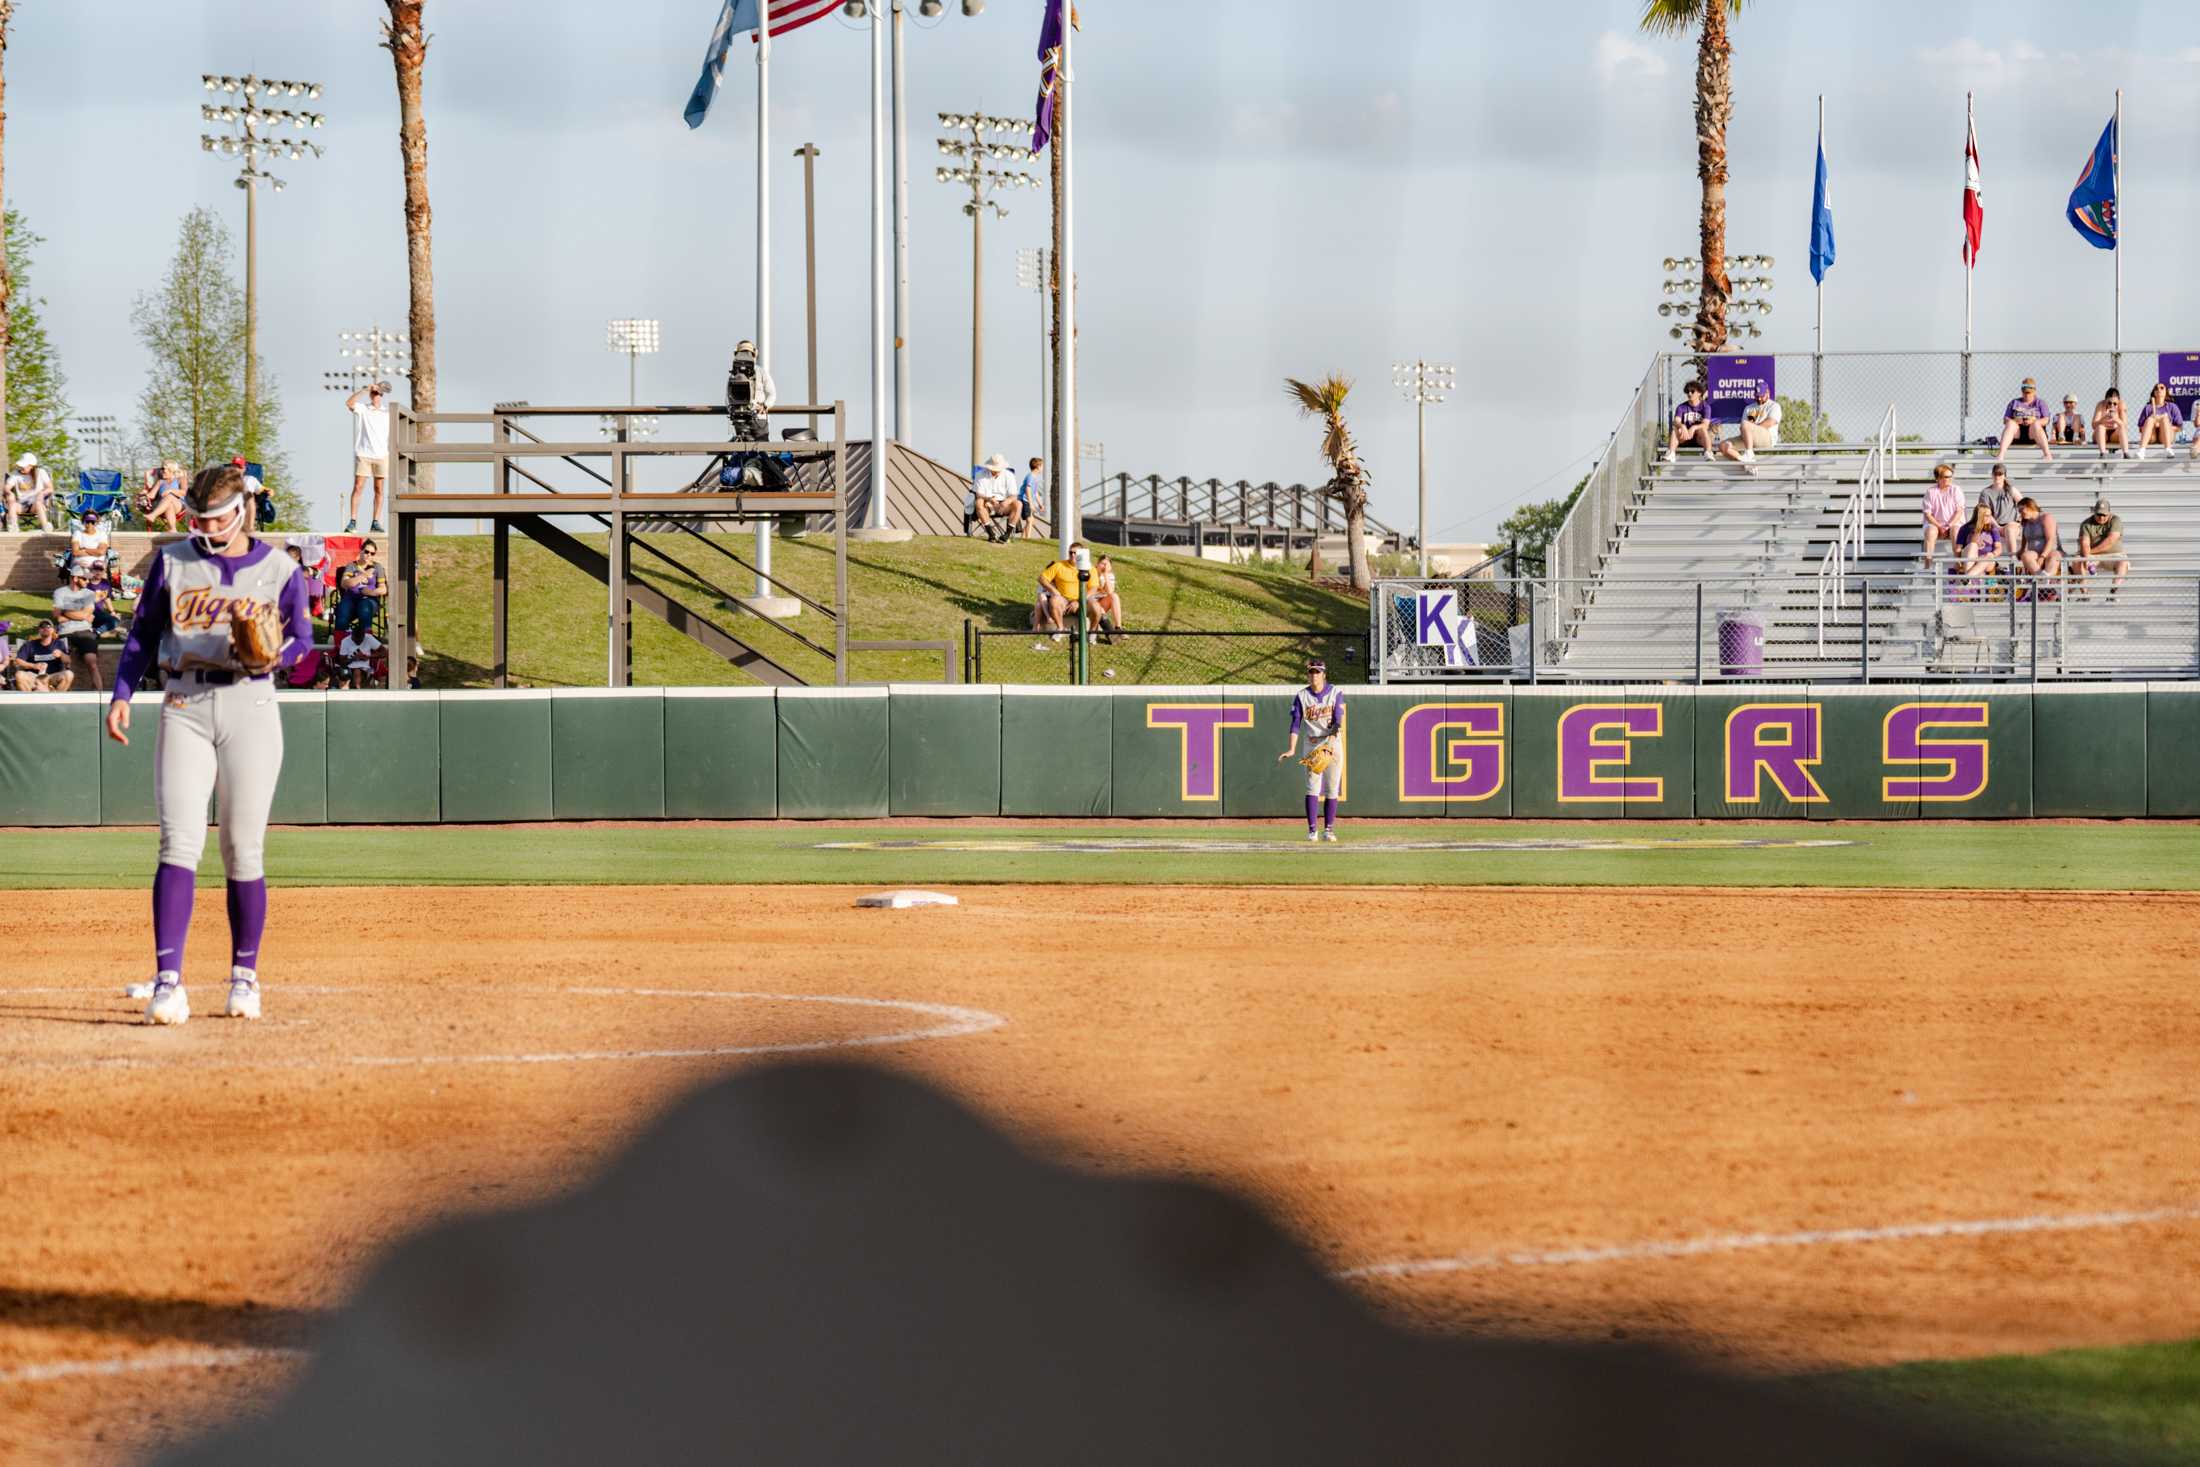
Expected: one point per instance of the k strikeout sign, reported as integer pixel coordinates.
(1733, 383)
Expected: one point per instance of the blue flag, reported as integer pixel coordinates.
(1821, 221)
(2093, 202)
(733, 18)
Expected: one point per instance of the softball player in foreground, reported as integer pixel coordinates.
(1318, 711)
(220, 612)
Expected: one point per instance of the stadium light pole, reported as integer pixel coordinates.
(637, 338)
(375, 356)
(968, 168)
(1423, 383)
(256, 148)
(100, 431)
(1031, 274)
(1751, 296)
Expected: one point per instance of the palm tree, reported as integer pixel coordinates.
(1348, 477)
(1714, 109)
(408, 47)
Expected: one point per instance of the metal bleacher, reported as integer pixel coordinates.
(1760, 542)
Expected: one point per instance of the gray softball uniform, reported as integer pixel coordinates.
(219, 726)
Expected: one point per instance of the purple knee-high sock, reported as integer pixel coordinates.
(171, 916)
(1329, 812)
(1313, 802)
(247, 920)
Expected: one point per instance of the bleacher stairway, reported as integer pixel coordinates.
(1758, 541)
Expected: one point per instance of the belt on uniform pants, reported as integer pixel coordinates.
(220, 678)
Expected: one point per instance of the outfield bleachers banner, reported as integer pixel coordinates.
(1733, 382)
(1792, 751)
(2181, 371)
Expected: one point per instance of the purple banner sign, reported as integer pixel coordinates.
(2181, 370)
(1942, 770)
(1199, 729)
(1733, 383)
(1451, 751)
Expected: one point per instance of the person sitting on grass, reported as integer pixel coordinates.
(41, 665)
(1943, 510)
(2039, 542)
(355, 656)
(162, 496)
(2026, 416)
(1058, 594)
(1106, 601)
(1759, 428)
(1691, 424)
(1979, 547)
(2159, 421)
(2111, 421)
(992, 501)
(2101, 543)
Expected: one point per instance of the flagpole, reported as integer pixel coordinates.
(1821, 284)
(1066, 463)
(2116, 182)
(876, 518)
(1970, 266)
(764, 587)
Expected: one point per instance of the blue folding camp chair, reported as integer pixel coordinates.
(101, 492)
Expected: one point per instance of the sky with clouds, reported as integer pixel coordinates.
(1265, 190)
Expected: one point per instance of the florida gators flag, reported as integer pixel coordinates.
(734, 17)
(2093, 201)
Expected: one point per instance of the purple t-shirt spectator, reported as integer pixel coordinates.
(1688, 415)
(2019, 409)
(2167, 410)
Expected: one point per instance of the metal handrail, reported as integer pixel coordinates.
(1848, 541)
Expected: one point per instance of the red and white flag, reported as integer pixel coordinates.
(793, 15)
(1974, 211)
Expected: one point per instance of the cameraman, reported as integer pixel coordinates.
(750, 393)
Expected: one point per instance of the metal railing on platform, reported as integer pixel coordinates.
(1152, 658)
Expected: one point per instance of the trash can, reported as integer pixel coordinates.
(1741, 643)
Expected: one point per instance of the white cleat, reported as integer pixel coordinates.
(1329, 833)
(170, 1005)
(1666, 457)
(1313, 835)
(244, 994)
(138, 990)
(1749, 455)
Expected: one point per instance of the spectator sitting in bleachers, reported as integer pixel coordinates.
(30, 492)
(2111, 420)
(92, 545)
(1759, 428)
(2101, 543)
(361, 587)
(355, 656)
(2069, 426)
(162, 498)
(2000, 497)
(2039, 540)
(2026, 415)
(1943, 510)
(2159, 421)
(1979, 547)
(1691, 424)
(105, 620)
(72, 613)
(41, 665)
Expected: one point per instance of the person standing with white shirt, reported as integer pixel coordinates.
(370, 449)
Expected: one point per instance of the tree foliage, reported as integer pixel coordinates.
(1532, 527)
(38, 390)
(1798, 424)
(1348, 477)
(192, 408)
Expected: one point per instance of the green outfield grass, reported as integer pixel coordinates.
(1928, 854)
(2138, 1403)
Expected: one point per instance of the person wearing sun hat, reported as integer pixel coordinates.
(991, 503)
(31, 489)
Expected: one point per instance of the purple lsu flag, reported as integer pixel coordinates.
(2093, 205)
(1050, 70)
(2180, 370)
(1733, 381)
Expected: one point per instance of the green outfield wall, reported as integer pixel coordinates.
(1653, 752)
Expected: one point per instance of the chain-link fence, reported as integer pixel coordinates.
(1940, 398)
(1577, 552)
(1149, 658)
(1883, 628)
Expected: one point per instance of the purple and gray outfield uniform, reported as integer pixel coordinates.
(220, 730)
(1320, 716)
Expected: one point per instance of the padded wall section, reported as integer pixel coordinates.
(1257, 785)
(1057, 752)
(385, 760)
(1172, 745)
(833, 753)
(1760, 754)
(126, 770)
(607, 754)
(49, 755)
(721, 754)
(2089, 752)
(1854, 775)
(496, 756)
(301, 794)
(943, 750)
(2173, 749)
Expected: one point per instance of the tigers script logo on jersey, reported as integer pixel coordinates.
(203, 608)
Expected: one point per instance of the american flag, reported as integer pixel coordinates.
(734, 17)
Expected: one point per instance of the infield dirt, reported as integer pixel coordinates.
(1403, 1074)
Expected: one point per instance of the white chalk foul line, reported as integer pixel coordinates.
(1747, 1242)
(142, 1364)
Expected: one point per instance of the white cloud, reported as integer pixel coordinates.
(1620, 56)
